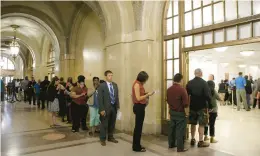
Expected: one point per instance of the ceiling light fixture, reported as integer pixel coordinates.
(254, 67)
(247, 53)
(241, 66)
(221, 49)
(14, 46)
(224, 64)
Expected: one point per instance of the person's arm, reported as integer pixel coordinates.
(217, 96)
(207, 95)
(185, 100)
(90, 93)
(74, 95)
(117, 98)
(244, 81)
(101, 100)
(137, 93)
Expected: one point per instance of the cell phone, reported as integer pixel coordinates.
(156, 91)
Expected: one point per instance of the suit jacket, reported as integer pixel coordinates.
(104, 99)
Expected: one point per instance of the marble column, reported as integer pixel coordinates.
(126, 60)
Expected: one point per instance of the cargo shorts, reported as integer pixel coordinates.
(200, 117)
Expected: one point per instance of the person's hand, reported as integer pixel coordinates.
(62, 87)
(151, 93)
(58, 86)
(103, 113)
(83, 94)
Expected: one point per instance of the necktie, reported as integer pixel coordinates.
(112, 97)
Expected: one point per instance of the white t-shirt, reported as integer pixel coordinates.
(17, 84)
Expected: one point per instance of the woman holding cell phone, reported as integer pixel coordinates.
(79, 100)
(140, 100)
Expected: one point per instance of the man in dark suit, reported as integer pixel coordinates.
(108, 106)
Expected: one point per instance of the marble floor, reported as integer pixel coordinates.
(25, 131)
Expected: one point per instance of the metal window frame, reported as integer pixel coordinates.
(184, 52)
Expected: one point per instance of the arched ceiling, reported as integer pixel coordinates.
(26, 27)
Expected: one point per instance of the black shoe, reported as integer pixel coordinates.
(103, 143)
(140, 150)
(112, 140)
(192, 142)
(172, 146)
(74, 131)
(182, 150)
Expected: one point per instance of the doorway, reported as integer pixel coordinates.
(225, 62)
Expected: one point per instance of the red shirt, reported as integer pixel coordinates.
(142, 93)
(177, 98)
(80, 100)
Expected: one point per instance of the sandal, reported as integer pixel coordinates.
(141, 150)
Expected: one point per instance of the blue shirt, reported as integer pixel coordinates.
(240, 82)
(95, 99)
(37, 88)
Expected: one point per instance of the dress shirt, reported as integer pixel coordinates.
(240, 82)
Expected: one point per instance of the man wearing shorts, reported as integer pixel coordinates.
(93, 102)
(198, 91)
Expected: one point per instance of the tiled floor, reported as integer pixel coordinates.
(23, 128)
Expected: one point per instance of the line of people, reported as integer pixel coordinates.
(197, 104)
(102, 100)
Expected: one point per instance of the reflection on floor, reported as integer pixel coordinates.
(25, 131)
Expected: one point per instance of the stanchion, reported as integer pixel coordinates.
(232, 99)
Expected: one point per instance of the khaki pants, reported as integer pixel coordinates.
(241, 93)
(222, 97)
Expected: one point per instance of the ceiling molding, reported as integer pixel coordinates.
(54, 32)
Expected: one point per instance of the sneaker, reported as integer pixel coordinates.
(182, 150)
(206, 138)
(203, 144)
(213, 140)
(103, 143)
(192, 142)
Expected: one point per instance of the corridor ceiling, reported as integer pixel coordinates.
(231, 55)
(41, 24)
(26, 27)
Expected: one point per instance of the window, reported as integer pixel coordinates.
(7, 64)
(172, 18)
(231, 10)
(202, 24)
(51, 54)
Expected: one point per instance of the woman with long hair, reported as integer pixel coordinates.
(69, 86)
(140, 100)
(213, 113)
(52, 92)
